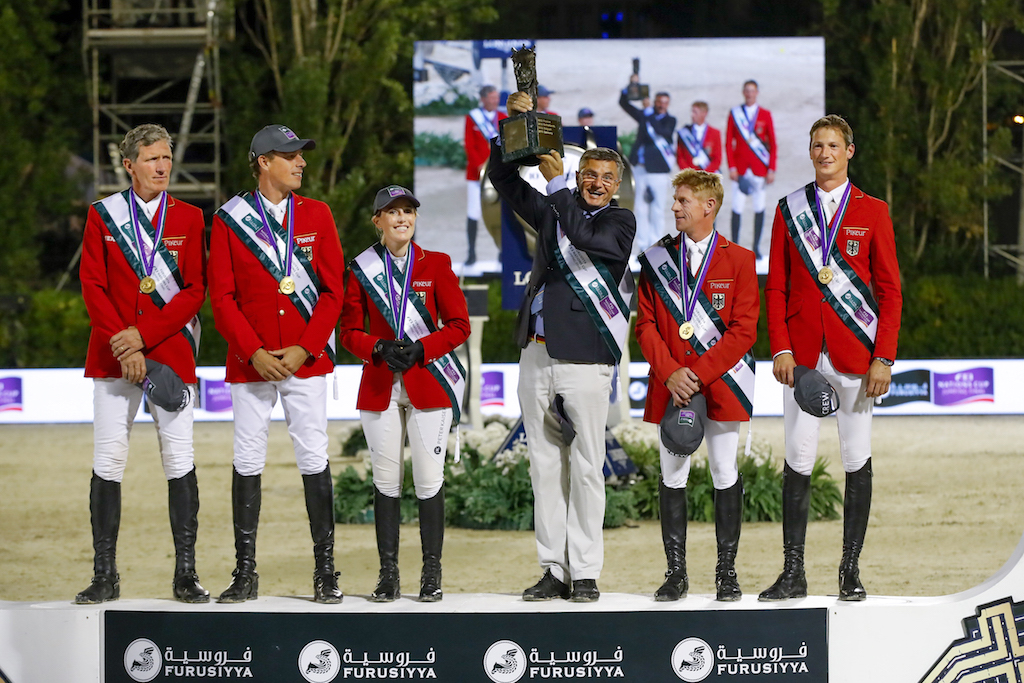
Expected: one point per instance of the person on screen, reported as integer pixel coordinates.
(143, 279)
(412, 383)
(834, 304)
(276, 291)
(698, 145)
(481, 126)
(652, 158)
(544, 101)
(751, 151)
(572, 325)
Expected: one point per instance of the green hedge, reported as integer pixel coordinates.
(440, 150)
(943, 317)
(495, 493)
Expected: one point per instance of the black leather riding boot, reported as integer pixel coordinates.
(246, 496)
(758, 227)
(672, 503)
(387, 514)
(796, 500)
(736, 218)
(319, 491)
(728, 517)
(856, 508)
(105, 517)
(183, 506)
(431, 539)
(471, 237)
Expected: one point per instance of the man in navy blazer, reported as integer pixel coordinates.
(570, 327)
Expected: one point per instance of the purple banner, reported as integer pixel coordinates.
(965, 386)
(216, 395)
(492, 388)
(10, 393)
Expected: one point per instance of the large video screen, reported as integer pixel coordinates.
(592, 74)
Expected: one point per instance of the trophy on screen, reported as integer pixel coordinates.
(636, 90)
(528, 134)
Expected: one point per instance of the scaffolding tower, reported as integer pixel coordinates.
(156, 61)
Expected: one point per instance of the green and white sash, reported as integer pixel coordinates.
(268, 243)
(661, 264)
(488, 129)
(370, 268)
(746, 128)
(846, 293)
(695, 147)
(605, 300)
(116, 212)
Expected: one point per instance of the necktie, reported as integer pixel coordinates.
(832, 207)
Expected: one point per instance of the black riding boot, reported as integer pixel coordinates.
(105, 517)
(431, 539)
(728, 517)
(673, 535)
(471, 236)
(183, 505)
(758, 227)
(736, 218)
(246, 496)
(387, 513)
(320, 508)
(856, 508)
(796, 499)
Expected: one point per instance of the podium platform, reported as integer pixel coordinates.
(971, 636)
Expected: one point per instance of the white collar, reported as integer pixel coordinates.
(836, 194)
(149, 208)
(701, 246)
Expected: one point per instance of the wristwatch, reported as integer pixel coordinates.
(885, 361)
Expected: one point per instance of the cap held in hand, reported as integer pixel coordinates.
(682, 429)
(813, 393)
(164, 388)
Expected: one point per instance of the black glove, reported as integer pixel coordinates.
(413, 353)
(390, 351)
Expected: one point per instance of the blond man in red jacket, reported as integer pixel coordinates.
(696, 323)
(834, 304)
(276, 290)
(404, 315)
(143, 279)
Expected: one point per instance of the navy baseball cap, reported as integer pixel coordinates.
(277, 138)
(813, 393)
(386, 196)
(682, 429)
(585, 112)
(564, 423)
(544, 92)
(164, 388)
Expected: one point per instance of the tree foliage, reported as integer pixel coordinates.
(907, 73)
(338, 71)
(38, 104)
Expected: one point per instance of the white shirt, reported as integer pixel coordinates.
(751, 114)
(276, 210)
(695, 251)
(698, 130)
(827, 199)
(149, 208)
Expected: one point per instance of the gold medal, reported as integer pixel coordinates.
(147, 285)
(287, 285)
(825, 275)
(686, 330)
